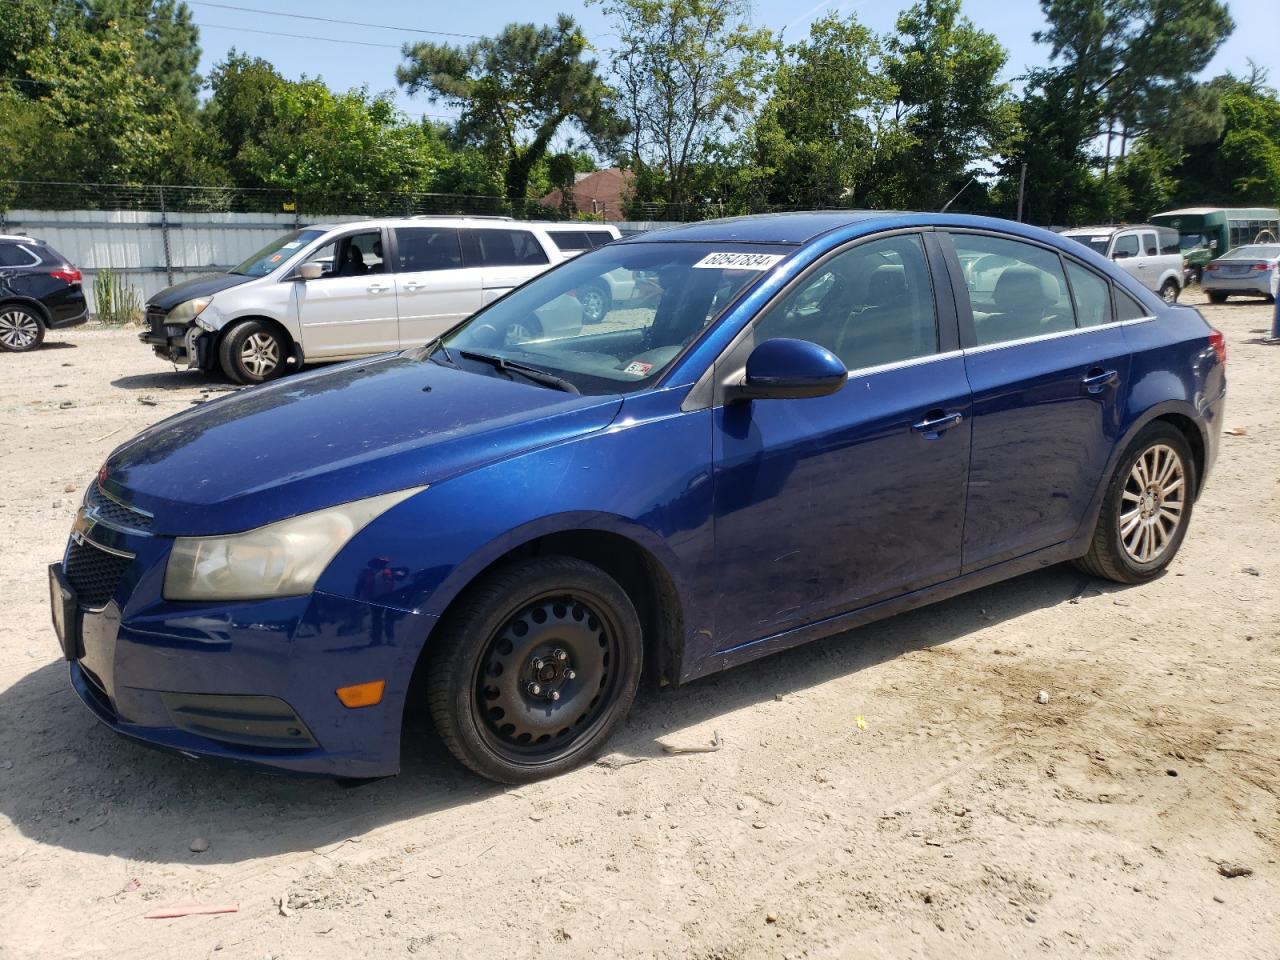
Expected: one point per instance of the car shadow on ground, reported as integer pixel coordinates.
(172, 380)
(57, 345)
(66, 781)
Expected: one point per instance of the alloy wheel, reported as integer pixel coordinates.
(1153, 503)
(260, 354)
(592, 302)
(18, 329)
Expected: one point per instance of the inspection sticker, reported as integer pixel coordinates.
(638, 368)
(728, 260)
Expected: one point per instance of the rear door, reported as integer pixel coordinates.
(351, 309)
(434, 290)
(1049, 369)
(506, 256)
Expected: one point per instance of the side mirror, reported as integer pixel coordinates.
(310, 271)
(1120, 255)
(789, 370)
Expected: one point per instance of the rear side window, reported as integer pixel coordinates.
(15, 255)
(501, 248)
(1170, 242)
(1128, 308)
(599, 238)
(1092, 296)
(1149, 244)
(870, 305)
(1017, 290)
(570, 239)
(427, 248)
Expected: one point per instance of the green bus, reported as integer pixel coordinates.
(1208, 232)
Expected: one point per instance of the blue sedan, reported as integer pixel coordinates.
(802, 423)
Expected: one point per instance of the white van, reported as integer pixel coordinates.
(1153, 255)
(340, 291)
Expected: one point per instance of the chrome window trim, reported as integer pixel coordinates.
(860, 372)
(1074, 331)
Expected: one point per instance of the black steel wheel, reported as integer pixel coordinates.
(536, 669)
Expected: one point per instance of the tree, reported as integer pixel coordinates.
(168, 51)
(953, 108)
(687, 72)
(820, 136)
(1119, 69)
(516, 92)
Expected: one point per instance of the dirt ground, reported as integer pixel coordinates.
(894, 792)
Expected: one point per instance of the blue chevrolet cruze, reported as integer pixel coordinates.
(781, 427)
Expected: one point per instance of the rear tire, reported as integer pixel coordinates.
(253, 352)
(1146, 508)
(1169, 292)
(596, 303)
(20, 329)
(535, 669)
(1217, 296)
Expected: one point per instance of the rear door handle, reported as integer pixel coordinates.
(377, 288)
(1097, 379)
(935, 422)
(411, 287)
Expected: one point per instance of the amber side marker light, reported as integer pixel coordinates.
(362, 694)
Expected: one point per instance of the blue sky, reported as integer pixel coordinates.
(344, 64)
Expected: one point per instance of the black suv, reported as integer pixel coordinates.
(39, 290)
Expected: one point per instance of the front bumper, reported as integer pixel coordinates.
(187, 345)
(252, 682)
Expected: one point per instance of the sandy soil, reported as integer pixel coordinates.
(964, 820)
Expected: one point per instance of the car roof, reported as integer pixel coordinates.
(19, 238)
(1116, 228)
(794, 228)
(448, 221)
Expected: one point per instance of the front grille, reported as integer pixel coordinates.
(94, 573)
(116, 514)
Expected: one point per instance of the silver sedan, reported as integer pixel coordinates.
(1251, 269)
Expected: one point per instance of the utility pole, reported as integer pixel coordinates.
(1022, 189)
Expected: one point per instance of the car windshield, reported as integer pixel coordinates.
(612, 320)
(1255, 251)
(1189, 241)
(276, 252)
(1098, 244)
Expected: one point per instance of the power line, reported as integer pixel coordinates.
(345, 23)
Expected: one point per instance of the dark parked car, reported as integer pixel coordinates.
(818, 420)
(39, 291)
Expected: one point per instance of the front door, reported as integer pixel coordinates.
(1049, 368)
(829, 504)
(351, 309)
(434, 290)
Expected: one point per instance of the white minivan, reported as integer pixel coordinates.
(1152, 255)
(341, 291)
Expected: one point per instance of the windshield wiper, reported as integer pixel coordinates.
(438, 344)
(524, 370)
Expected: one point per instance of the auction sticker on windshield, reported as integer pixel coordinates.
(729, 260)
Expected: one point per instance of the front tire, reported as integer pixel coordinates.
(596, 303)
(253, 352)
(535, 669)
(1169, 292)
(1146, 509)
(20, 329)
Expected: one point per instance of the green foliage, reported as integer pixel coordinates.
(116, 302)
(689, 74)
(167, 47)
(516, 92)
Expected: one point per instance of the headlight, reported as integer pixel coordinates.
(188, 311)
(282, 559)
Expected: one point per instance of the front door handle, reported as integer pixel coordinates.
(1097, 379)
(411, 287)
(377, 288)
(935, 422)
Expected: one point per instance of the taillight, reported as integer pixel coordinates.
(68, 274)
(1219, 344)
(1260, 266)
(1211, 266)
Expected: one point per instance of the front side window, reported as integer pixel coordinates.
(611, 320)
(277, 252)
(1126, 245)
(502, 248)
(1092, 296)
(428, 248)
(870, 305)
(355, 255)
(1022, 294)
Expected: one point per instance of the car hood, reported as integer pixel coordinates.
(314, 440)
(205, 286)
